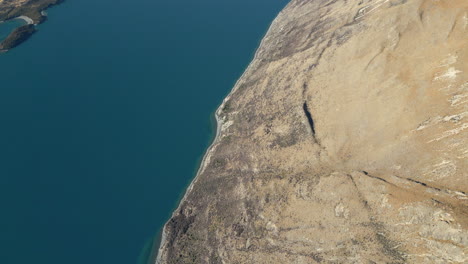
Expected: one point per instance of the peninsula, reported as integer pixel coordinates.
(29, 10)
(345, 141)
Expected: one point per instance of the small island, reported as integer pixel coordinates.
(31, 11)
(17, 37)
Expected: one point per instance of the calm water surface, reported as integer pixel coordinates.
(105, 113)
(8, 26)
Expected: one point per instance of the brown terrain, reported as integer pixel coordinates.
(345, 141)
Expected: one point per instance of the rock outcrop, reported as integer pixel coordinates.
(345, 141)
(17, 37)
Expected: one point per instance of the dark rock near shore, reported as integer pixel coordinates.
(17, 37)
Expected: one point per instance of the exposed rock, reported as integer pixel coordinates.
(346, 142)
(17, 37)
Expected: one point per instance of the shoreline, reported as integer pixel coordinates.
(219, 123)
(27, 19)
(162, 241)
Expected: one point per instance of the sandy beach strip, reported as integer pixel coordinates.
(27, 19)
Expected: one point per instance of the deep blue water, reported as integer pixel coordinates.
(105, 114)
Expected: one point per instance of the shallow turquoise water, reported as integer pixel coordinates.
(105, 113)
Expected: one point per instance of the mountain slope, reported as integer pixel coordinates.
(345, 141)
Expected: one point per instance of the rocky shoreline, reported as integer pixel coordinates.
(30, 10)
(219, 119)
